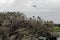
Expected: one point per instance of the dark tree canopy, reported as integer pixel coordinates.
(16, 26)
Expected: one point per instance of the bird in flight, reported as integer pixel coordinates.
(34, 6)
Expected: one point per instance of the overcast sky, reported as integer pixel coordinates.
(46, 9)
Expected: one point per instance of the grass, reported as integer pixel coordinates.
(56, 29)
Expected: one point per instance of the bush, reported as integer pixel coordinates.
(18, 26)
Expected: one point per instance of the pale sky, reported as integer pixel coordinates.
(46, 9)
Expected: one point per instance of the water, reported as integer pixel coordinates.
(58, 34)
(58, 38)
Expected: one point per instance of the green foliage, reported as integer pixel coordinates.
(56, 29)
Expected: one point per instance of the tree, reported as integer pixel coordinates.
(15, 24)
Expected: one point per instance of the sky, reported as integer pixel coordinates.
(46, 9)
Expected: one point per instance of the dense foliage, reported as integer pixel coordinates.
(16, 26)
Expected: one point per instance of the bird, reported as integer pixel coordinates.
(34, 6)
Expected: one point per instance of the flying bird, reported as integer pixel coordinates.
(34, 6)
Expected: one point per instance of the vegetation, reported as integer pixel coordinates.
(56, 29)
(16, 26)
